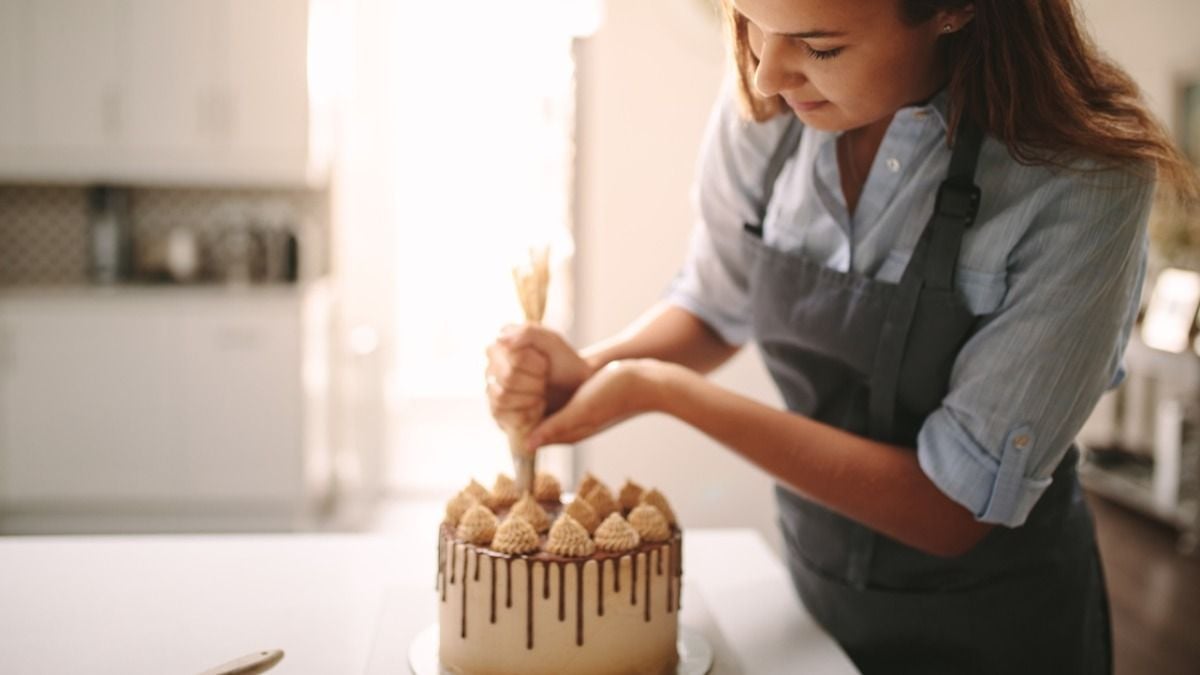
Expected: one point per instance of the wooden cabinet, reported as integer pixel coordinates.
(189, 405)
(153, 92)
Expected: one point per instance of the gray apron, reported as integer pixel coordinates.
(874, 358)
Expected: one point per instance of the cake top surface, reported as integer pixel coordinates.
(594, 522)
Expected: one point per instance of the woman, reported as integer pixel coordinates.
(931, 218)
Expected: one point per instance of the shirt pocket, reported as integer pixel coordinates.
(981, 291)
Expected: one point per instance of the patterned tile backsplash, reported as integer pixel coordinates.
(44, 229)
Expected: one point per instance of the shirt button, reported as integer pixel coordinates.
(1021, 442)
(893, 164)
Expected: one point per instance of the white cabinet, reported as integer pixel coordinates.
(12, 71)
(72, 82)
(189, 406)
(155, 92)
(167, 54)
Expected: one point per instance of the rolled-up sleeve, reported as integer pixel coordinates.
(726, 193)
(1029, 376)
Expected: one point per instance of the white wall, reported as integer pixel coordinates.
(648, 79)
(1155, 41)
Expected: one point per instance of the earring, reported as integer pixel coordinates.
(948, 28)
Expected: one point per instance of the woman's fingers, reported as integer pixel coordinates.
(503, 361)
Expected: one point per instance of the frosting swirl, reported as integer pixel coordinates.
(533, 513)
(568, 538)
(476, 490)
(631, 495)
(457, 506)
(515, 535)
(601, 499)
(650, 523)
(504, 493)
(584, 514)
(615, 534)
(657, 500)
(478, 525)
(586, 484)
(546, 488)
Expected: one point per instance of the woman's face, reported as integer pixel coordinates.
(842, 65)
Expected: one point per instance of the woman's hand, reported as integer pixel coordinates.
(531, 371)
(618, 391)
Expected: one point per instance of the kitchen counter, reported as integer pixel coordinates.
(182, 604)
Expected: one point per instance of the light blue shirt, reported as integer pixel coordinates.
(1053, 267)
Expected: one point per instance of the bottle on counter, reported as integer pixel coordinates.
(110, 239)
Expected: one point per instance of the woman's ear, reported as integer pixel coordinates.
(955, 19)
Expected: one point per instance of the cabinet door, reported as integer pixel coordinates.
(89, 410)
(167, 61)
(241, 389)
(266, 94)
(12, 67)
(73, 74)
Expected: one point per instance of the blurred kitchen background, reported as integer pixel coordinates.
(251, 252)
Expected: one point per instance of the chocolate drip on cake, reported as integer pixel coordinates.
(679, 571)
(600, 587)
(508, 583)
(562, 595)
(579, 603)
(670, 576)
(441, 575)
(466, 562)
(493, 589)
(529, 603)
(545, 581)
(633, 579)
(477, 556)
(658, 564)
(647, 598)
(616, 575)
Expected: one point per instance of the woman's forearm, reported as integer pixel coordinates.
(877, 484)
(665, 333)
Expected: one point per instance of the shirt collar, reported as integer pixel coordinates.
(936, 107)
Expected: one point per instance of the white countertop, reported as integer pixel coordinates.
(182, 604)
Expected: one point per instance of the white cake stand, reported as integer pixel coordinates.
(695, 653)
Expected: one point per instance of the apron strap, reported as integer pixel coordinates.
(955, 209)
(783, 152)
(933, 262)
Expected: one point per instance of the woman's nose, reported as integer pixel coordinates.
(772, 75)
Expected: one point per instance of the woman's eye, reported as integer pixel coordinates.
(823, 54)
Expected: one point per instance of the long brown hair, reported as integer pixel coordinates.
(1027, 74)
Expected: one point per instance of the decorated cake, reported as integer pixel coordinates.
(534, 584)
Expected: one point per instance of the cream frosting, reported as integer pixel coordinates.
(586, 484)
(650, 523)
(504, 493)
(615, 534)
(457, 506)
(546, 488)
(584, 514)
(601, 499)
(569, 538)
(478, 525)
(631, 495)
(515, 535)
(533, 513)
(657, 500)
(476, 490)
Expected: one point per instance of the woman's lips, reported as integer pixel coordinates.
(805, 106)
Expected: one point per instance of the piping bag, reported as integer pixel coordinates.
(532, 281)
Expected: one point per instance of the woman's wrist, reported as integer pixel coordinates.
(660, 384)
